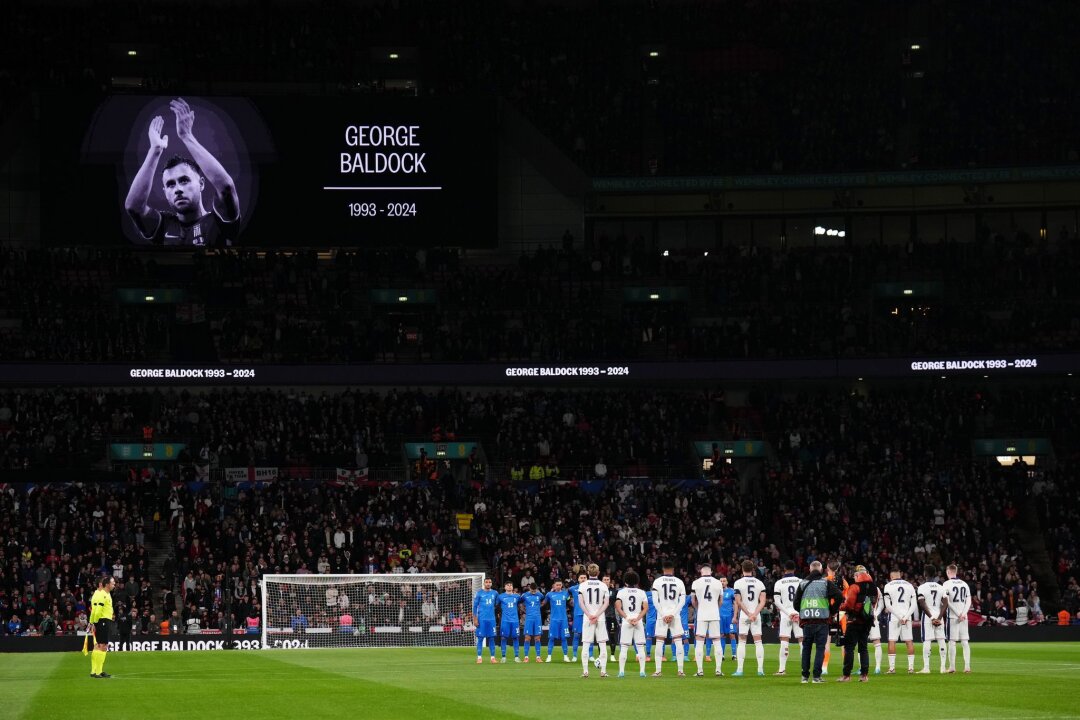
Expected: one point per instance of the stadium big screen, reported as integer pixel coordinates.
(183, 171)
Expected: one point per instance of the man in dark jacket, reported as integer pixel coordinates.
(859, 605)
(815, 601)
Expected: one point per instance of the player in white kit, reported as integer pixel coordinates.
(708, 592)
(956, 601)
(784, 591)
(594, 596)
(668, 596)
(933, 621)
(632, 605)
(749, 600)
(900, 599)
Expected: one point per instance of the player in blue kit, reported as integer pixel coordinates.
(483, 610)
(727, 619)
(509, 623)
(533, 600)
(684, 614)
(579, 614)
(650, 628)
(556, 601)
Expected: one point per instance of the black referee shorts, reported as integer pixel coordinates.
(103, 631)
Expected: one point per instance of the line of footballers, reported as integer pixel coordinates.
(726, 618)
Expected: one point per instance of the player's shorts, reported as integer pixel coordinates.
(632, 634)
(727, 624)
(594, 633)
(787, 628)
(930, 631)
(508, 630)
(533, 627)
(956, 631)
(485, 629)
(103, 631)
(558, 630)
(578, 620)
(663, 628)
(708, 629)
(745, 626)
(875, 632)
(898, 632)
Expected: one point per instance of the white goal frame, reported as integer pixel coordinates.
(412, 636)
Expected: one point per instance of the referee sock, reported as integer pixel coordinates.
(97, 661)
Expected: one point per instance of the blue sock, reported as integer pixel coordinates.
(491, 644)
(479, 647)
(577, 643)
(504, 646)
(537, 648)
(551, 644)
(517, 643)
(648, 646)
(564, 646)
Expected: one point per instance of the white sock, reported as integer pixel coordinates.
(926, 654)
(911, 659)
(952, 655)
(622, 659)
(740, 655)
(586, 649)
(760, 648)
(639, 650)
(658, 654)
(603, 657)
(699, 654)
(680, 655)
(967, 654)
(942, 653)
(892, 661)
(719, 660)
(877, 656)
(783, 654)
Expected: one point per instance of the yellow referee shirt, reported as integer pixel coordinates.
(101, 606)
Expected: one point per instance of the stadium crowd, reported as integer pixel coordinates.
(1000, 295)
(884, 475)
(59, 539)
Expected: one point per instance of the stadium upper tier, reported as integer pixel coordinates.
(1006, 296)
(692, 87)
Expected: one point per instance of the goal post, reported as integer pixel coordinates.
(389, 610)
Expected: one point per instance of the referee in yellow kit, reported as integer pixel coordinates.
(102, 618)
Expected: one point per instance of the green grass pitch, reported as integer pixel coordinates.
(1015, 681)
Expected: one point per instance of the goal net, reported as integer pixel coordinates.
(333, 611)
